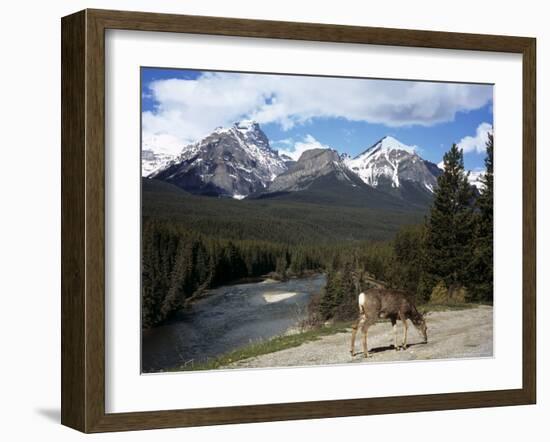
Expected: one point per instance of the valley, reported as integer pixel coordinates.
(255, 248)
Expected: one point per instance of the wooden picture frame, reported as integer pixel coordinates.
(83, 220)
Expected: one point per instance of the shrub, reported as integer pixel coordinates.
(458, 294)
(439, 293)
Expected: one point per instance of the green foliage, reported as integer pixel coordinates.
(331, 294)
(450, 226)
(408, 261)
(480, 284)
(339, 299)
(274, 220)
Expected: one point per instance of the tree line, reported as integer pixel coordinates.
(178, 264)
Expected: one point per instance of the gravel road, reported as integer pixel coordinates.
(451, 334)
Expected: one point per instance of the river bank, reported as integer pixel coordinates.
(228, 318)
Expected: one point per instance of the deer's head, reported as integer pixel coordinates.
(420, 324)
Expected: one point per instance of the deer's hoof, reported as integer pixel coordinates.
(352, 353)
(366, 355)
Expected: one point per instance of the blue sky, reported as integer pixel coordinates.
(296, 112)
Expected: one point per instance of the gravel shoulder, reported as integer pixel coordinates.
(451, 334)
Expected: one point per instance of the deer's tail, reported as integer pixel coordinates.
(361, 301)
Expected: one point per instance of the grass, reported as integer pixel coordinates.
(264, 347)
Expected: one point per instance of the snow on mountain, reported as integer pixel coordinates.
(151, 161)
(234, 161)
(157, 151)
(389, 162)
(474, 178)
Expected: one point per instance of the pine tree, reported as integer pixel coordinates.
(449, 230)
(331, 294)
(281, 266)
(481, 268)
(176, 293)
(409, 258)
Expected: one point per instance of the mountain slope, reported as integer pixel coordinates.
(320, 176)
(232, 162)
(289, 221)
(311, 165)
(151, 161)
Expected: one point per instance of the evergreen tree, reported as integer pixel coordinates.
(177, 291)
(449, 230)
(331, 295)
(282, 265)
(481, 268)
(409, 259)
(347, 302)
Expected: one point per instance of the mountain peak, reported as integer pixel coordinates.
(389, 163)
(247, 125)
(329, 154)
(389, 143)
(242, 126)
(233, 161)
(314, 164)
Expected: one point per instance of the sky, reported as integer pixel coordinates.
(181, 106)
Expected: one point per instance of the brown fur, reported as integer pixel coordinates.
(389, 304)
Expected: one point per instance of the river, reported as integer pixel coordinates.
(227, 318)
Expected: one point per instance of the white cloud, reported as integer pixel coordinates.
(309, 142)
(190, 109)
(163, 143)
(477, 142)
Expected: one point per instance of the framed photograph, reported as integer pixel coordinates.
(269, 220)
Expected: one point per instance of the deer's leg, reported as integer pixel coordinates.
(405, 329)
(394, 325)
(358, 324)
(365, 330)
(353, 335)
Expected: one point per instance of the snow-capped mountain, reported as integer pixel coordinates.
(234, 162)
(390, 164)
(312, 165)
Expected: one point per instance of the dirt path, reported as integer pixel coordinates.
(451, 334)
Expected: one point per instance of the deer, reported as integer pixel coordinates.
(380, 303)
